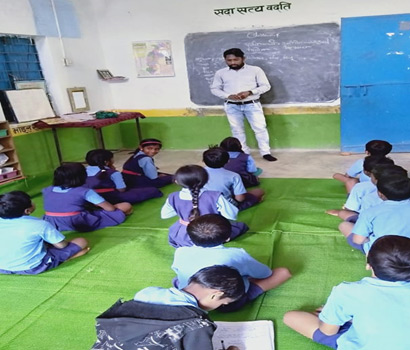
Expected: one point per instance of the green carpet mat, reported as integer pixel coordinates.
(57, 309)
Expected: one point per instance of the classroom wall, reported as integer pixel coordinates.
(101, 38)
(122, 22)
(108, 28)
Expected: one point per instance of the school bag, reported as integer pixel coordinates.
(134, 325)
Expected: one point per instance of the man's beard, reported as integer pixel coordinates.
(236, 67)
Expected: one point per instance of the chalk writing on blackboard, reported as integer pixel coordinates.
(302, 63)
(283, 5)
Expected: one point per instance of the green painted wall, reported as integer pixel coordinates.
(38, 155)
(286, 131)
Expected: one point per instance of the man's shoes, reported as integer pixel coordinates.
(269, 158)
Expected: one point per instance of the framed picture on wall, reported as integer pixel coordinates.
(153, 58)
(105, 74)
(78, 99)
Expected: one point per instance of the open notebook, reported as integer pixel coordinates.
(251, 335)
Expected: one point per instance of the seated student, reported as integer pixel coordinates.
(28, 245)
(140, 170)
(371, 199)
(109, 183)
(371, 314)
(391, 217)
(240, 162)
(168, 319)
(228, 182)
(209, 232)
(353, 204)
(372, 148)
(192, 201)
(67, 203)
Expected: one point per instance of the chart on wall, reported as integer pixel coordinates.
(302, 63)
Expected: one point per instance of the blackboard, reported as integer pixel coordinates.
(302, 62)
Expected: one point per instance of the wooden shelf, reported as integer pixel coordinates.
(13, 161)
(6, 180)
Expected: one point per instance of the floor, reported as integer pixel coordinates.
(290, 164)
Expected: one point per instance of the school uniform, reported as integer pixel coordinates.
(361, 189)
(140, 171)
(66, 209)
(230, 184)
(357, 170)
(107, 187)
(23, 249)
(209, 202)
(387, 218)
(378, 310)
(244, 165)
(189, 260)
(370, 200)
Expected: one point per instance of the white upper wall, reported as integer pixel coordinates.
(125, 21)
(108, 29)
(16, 17)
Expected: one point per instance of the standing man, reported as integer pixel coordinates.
(240, 85)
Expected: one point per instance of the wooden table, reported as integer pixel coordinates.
(96, 124)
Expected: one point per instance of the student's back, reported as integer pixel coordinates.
(391, 217)
(378, 309)
(370, 314)
(29, 245)
(228, 182)
(193, 201)
(188, 260)
(67, 202)
(240, 162)
(208, 233)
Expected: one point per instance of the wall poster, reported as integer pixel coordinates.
(153, 58)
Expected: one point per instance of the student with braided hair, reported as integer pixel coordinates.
(193, 201)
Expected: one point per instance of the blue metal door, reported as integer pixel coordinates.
(375, 81)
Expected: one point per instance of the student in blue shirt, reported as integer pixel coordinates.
(354, 201)
(160, 318)
(372, 198)
(28, 245)
(208, 233)
(372, 148)
(370, 314)
(228, 182)
(391, 217)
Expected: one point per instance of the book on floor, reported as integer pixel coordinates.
(250, 335)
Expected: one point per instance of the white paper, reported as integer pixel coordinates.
(2, 117)
(30, 104)
(251, 335)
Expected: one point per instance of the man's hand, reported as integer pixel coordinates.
(234, 97)
(244, 94)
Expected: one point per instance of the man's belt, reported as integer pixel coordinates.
(242, 103)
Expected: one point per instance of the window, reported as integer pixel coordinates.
(18, 61)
